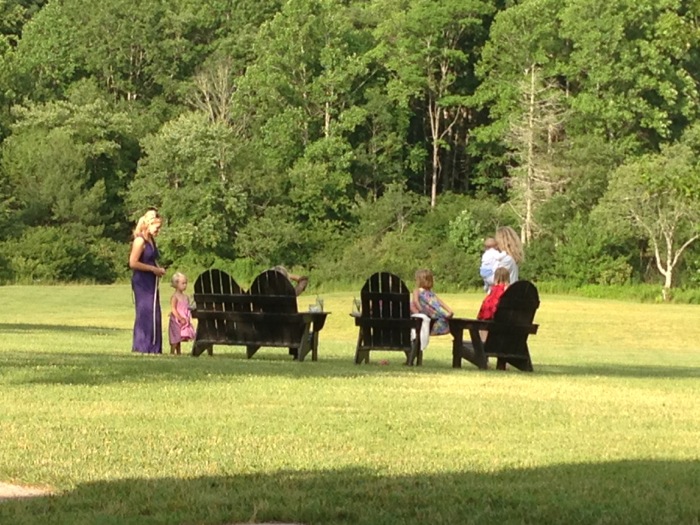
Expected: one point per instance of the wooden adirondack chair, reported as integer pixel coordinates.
(216, 291)
(507, 332)
(385, 321)
(272, 293)
(265, 316)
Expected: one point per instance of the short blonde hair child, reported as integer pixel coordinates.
(176, 278)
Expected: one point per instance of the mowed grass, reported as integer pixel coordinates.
(607, 429)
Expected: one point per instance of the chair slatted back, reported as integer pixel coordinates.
(516, 308)
(217, 282)
(272, 292)
(385, 298)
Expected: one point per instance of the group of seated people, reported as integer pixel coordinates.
(499, 268)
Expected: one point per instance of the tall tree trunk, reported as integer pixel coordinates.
(530, 159)
(434, 116)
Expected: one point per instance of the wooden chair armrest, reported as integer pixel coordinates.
(458, 324)
(315, 317)
(376, 322)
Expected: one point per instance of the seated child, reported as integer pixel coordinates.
(489, 261)
(425, 301)
(501, 279)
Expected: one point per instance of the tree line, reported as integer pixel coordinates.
(346, 136)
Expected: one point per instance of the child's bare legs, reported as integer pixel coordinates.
(175, 349)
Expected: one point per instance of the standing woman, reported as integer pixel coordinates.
(509, 243)
(148, 334)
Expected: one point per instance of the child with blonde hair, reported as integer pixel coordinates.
(180, 327)
(490, 260)
(425, 301)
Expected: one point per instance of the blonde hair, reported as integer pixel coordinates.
(175, 279)
(509, 242)
(501, 276)
(490, 242)
(150, 217)
(424, 279)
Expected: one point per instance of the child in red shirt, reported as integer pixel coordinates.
(501, 279)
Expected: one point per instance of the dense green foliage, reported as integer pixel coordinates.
(346, 136)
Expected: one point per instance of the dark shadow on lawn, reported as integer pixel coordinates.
(20, 328)
(624, 492)
(103, 369)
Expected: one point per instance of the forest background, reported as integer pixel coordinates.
(341, 137)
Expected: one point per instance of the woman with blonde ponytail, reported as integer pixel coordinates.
(143, 260)
(509, 243)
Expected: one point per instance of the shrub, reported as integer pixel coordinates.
(60, 254)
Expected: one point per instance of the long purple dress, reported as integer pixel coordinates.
(148, 333)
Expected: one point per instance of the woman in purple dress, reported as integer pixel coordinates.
(143, 260)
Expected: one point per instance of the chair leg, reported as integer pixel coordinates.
(416, 353)
(199, 348)
(468, 353)
(314, 345)
(524, 364)
(250, 350)
(360, 355)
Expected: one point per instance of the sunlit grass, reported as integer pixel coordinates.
(604, 431)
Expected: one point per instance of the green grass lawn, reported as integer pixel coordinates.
(607, 429)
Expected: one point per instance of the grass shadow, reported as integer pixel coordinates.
(108, 368)
(22, 328)
(81, 368)
(634, 492)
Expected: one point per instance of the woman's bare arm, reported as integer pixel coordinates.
(137, 248)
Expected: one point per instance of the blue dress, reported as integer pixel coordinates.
(429, 305)
(148, 334)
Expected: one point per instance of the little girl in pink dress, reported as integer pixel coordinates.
(180, 327)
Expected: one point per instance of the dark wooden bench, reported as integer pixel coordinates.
(266, 315)
(507, 332)
(385, 321)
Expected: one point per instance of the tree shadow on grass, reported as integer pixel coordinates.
(81, 368)
(634, 492)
